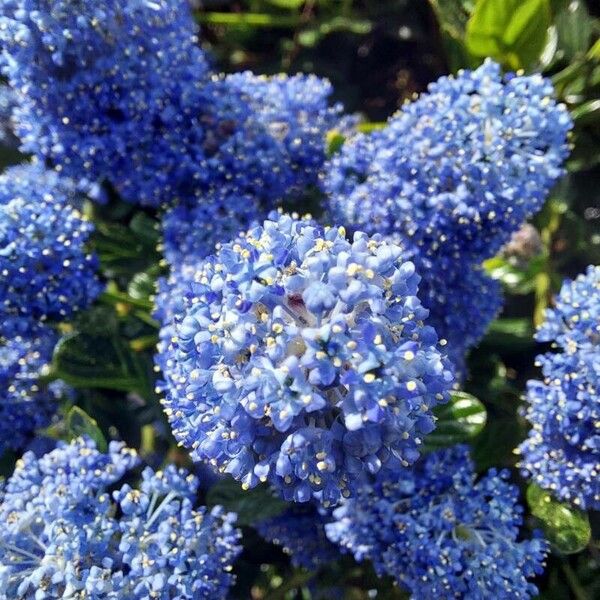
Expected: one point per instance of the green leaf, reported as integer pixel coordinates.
(86, 361)
(80, 423)
(460, 420)
(146, 229)
(334, 140)
(513, 32)
(574, 29)
(289, 4)
(143, 285)
(509, 335)
(566, 528)
(251, 506)
(453, 16)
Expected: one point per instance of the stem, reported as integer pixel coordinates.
(578, 591)
(112, 297)
(248, 19)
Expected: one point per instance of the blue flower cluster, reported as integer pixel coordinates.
(300, 531)
(452, 176)
(67, 535)
(107, 91)
(562, 452)
(25, 403)
(442, 534)
(269, 146)
(46, 272)
(302, 359)
(121, 92)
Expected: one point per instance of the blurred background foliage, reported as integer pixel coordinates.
(378, 54)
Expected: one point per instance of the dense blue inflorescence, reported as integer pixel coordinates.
(25, 403)
(121, 92)
(462, 302)
(562, 452)
(460, 169)
(46, 271)
(442, 534)
(300, 531)
(301, 358)
(451, 178)
(269, 146)
(67, 535)
(109, 90)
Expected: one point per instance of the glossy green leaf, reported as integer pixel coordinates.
(86, 361)
(460, 420)
(513, 32)
(146, 229)
(251, 506)
(80, 423)
(143, 285)
(574, 29)
(566, 528)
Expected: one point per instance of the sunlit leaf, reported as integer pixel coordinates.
(513, 32)
(566, 528)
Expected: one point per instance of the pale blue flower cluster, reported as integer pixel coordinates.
(300, 531)
(441, 533)
(46, 271)
(302, 359)
(562, 452)
(26, 404)
(451, 177)
(66, 535)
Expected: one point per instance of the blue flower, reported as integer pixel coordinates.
(562, 451)
(108, 90)
(301, 534)
(301, 358)
(121, 93)
(269, 136)
(462, 301)
(460, 169)
(67, 535)
(46, 271)
(25, 403)
(450, 179)
(441, 533)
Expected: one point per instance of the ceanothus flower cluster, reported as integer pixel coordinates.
(300, 531)
(295, 111)
(108, 90)
(460, 169)
(303, 359)
(562, 451)
(67, 535)
(441, 533)
(451, 178)
(269, 136)
(121, 93)
(25, 403)
(46, 272)
(462, 302)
